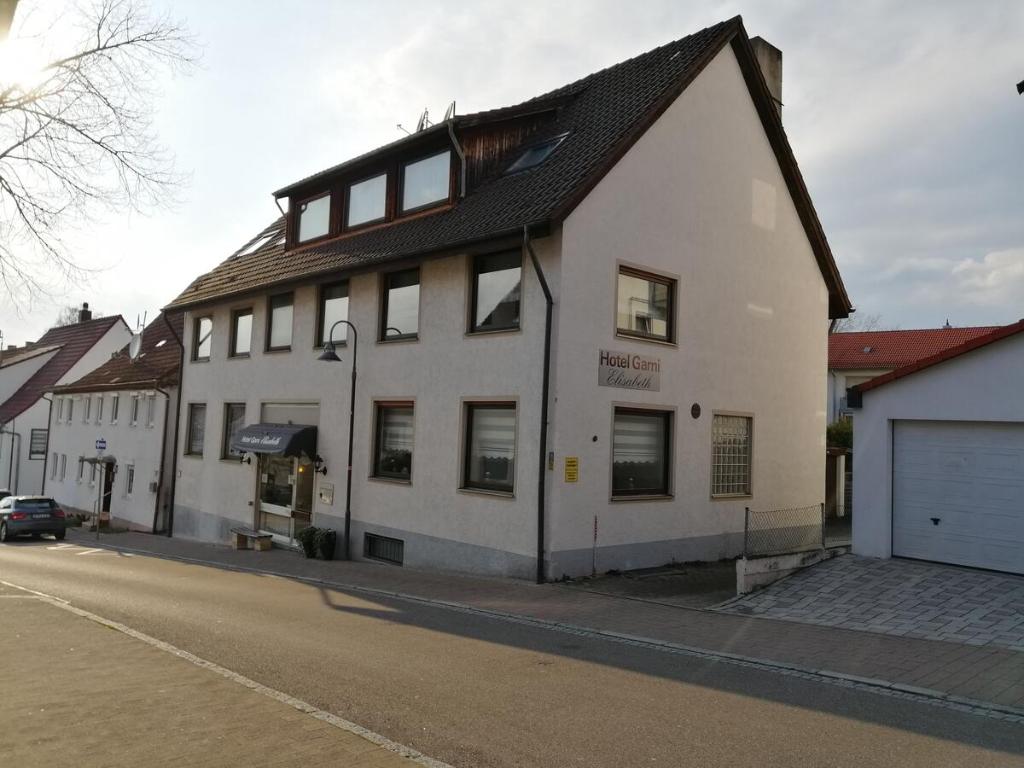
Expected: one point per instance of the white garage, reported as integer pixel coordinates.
(939, 457)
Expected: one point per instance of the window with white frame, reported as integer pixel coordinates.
(71, 409)
(115, 402)
(99, 408)
(63, 466)
(53, 469)
(92, 474)
(81, 468)
(731, 454)
(60, 409)
(135, 410)
(129, 479)
(150, 410)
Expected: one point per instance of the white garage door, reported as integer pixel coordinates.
(958, 493)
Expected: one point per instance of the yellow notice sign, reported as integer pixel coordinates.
(572, 469)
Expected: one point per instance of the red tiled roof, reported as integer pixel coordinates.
(74, 341)
(158, 363)
(994, 335)
(895, 349)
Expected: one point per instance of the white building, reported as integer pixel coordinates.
(129, 403)
(61, 355)
(939, 451)
(691, 289)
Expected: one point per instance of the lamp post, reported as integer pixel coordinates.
(330, 355)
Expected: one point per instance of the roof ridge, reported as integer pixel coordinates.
(920, 330)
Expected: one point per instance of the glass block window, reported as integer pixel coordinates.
(731, 450)
(641, 454)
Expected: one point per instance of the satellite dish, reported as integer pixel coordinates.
(134, 346)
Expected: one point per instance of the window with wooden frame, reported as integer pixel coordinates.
(393, 443)
(241, 333)
(490, 447)
(279, 322)
(641, 452)
(496, 291)
(731, 455)
(202, 338)
(234, 420)
(400, 305)
(366, 201)
(313, 217)
(332, 307)
(426, 181)
(645, 305)
(195, 437)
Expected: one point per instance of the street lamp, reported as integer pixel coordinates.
(330, 355)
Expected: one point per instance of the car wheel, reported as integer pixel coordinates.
(3, 533)
(59, 535)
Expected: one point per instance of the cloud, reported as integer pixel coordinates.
(997, 277)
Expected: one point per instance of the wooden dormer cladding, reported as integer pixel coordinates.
(491, 147)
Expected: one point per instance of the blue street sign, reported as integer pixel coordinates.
(101, 444)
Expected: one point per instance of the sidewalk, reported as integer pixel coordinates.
(984, 674)
(81, 694)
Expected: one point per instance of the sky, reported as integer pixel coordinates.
(903, 116)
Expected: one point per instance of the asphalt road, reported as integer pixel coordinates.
(477, 691)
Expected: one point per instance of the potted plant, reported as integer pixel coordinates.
(326, 538)
(307, 538)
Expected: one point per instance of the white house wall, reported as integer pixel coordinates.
(979, 386)
(441, 525)
(14, 375)
(138, 445)
(699, 197)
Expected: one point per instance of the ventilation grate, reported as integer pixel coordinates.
(383, 548)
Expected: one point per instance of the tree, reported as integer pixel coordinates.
(858, 322)
(68, 315)
(76, 135)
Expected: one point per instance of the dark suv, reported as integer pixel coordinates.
(33, 515)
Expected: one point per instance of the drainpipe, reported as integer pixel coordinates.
(462, 158)
(545, 387)
(11, 466)
(177, 426)
(163, 457)
(46, 455)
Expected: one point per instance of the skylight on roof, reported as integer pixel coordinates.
(161, 343)
(536, 154)
(255, 244)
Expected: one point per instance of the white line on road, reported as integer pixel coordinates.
(90, 551)
(338, 722)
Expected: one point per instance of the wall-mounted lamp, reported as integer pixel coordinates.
(245, 458)
(318, 465)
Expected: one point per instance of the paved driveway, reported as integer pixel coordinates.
(898, 597)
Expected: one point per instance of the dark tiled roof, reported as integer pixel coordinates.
(158, 363)
(73, 341)
(983, 340)
(894, 349)
(603, 114)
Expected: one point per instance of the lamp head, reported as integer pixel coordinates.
(329, 354)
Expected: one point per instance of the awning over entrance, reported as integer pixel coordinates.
(276, 439)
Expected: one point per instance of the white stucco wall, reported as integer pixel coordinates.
(441, 370)
(138, 445)
(983, 385)
(14, 375)
(840, 381)
(699, 197)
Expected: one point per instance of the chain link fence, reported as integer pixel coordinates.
(783, 531)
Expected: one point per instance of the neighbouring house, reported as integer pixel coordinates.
(939, 450)
(859, 356)
(27, 373)
(128, 404)
(592, 329)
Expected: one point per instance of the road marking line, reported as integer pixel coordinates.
(90, 551)
(63, 546)
(302, 706)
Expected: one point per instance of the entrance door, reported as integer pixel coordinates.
(108, 486)
(285, 497)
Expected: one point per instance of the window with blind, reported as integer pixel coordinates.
(731, 451)
(641, 452)
(196, 436)
(394, 441)
(490, 447)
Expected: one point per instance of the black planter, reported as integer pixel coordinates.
(326, 540)
(307, 539)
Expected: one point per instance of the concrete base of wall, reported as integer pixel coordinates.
(759, 572)
(202, 526)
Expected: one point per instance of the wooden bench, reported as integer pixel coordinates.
(247, 538)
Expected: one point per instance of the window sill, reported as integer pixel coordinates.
(730, 496)
(643, 497)
(486, 492)
(645, 339)
(276, 350)
(240, 356)
(389, 480)
(400, 340)
(494, 331)
(192, 456)
(200, 360)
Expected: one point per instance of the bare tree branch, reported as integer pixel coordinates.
(77, 137)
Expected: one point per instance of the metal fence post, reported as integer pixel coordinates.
(823, 525)
(746, 530)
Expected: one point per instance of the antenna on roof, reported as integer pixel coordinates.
(402, 129)
(947, 325)
(424, 121)
(450, 112)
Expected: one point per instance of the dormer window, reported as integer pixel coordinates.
(314, 218)
(536, 154)
(367, 201)
(426, 181)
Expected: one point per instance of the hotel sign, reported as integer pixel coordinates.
(629, 371)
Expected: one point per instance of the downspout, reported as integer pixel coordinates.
(46, 455)
(462, 159)
(11, 466)
(177, 426)
(545, 386)
(163, 457)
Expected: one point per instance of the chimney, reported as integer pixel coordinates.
(84, 313)
(770, 59)
(11, 347)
